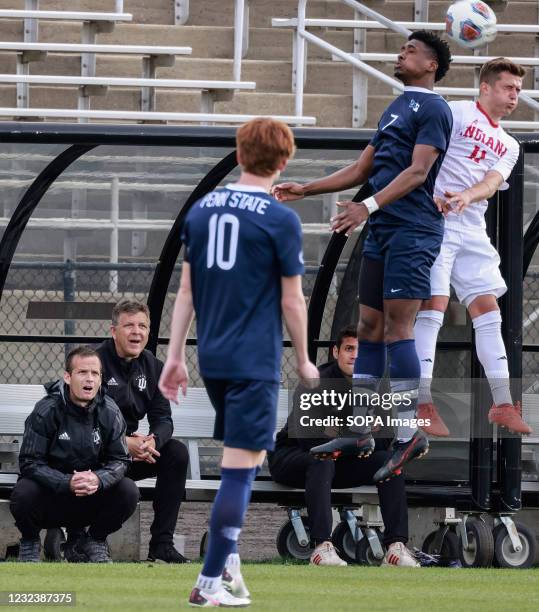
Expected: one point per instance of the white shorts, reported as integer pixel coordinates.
(470, 264)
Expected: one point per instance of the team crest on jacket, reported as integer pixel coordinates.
(141, 382)
(97, 436)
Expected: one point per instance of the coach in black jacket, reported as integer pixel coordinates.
(72, 462)
(131, 375)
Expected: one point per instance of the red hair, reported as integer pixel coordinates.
(263, 144)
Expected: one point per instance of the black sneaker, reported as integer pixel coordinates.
(72, 550)
(96, 551)
(401, 454)
(165, 553)
(30, 551)
(341, 447)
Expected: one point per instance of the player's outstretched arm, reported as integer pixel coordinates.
(457, 201)
(351, 176)
(355, 213)
(295, 317)
(174, 374)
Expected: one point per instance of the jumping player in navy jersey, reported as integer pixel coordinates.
(405, 233)
(242, 268)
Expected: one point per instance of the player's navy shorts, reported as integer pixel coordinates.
(246, 412)
(408, 252)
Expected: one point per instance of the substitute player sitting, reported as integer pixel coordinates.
(242, 268)
(292, 464)
(479, 160)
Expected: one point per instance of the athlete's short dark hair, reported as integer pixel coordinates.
(81, 351)
(346, 332)
(439, 48)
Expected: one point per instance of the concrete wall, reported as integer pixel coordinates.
(124, 544)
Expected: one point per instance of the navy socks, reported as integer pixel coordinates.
(227, 517)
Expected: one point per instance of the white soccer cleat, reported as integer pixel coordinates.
(235, 584)
(325, 554)
(398, 554)
(220, 599)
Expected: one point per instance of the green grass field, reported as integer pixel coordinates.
(281, 587)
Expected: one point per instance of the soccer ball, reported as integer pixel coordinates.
(470, 23)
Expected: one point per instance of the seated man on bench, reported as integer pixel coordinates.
(72, 463)
(131, 373)
(292, 464)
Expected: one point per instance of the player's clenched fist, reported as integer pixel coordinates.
(353, 215)
(173, 377)
(287, 192)
(308, 374)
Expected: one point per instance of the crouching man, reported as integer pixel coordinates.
(72, 464)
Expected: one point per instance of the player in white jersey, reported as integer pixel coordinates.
(479, 160)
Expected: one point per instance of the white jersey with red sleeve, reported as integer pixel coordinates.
(477, 146)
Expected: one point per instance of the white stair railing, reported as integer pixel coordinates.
(241, 28)
(302, 37)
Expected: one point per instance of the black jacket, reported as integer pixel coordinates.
(60, 437)
(133, 386)
(335, 379)
(287, 436)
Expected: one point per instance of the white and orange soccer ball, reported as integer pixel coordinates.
(471, 23)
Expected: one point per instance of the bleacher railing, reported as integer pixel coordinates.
(88, 84)
(358, 59)
(241, 29)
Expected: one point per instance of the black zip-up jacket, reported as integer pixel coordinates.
(330, 373)
(133, 386)
(286, 437)
(60, 437)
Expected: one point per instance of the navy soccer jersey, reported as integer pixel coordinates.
(418, 116)
(240, 242)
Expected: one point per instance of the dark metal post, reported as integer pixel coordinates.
(322, 283)
(512, 253)
(173, 245)
(28, 203)
(481, 446)
(69, 296)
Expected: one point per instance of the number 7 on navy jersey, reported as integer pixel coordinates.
(393, 119)
(217, 230)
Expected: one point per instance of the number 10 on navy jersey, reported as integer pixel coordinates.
(240, 242)
(222, 251)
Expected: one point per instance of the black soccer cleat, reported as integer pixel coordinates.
(344, 447)
(402, 453)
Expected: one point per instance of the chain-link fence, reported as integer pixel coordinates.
(31, 362)
(37, 362)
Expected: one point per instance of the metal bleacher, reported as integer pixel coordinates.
(88, 85)
(358, 42)
(360, 60)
